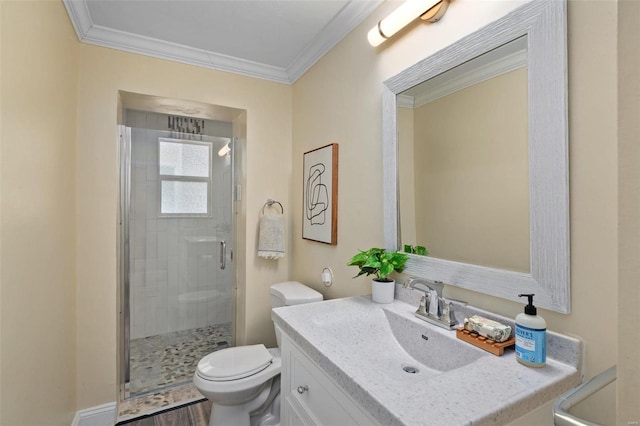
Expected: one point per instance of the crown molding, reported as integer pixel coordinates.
(78, 12)
(98, 35)
(134, 43)
(352, 14)
(349, 17)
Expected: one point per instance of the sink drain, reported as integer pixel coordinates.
(410, 369)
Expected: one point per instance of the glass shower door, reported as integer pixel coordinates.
(178, 275)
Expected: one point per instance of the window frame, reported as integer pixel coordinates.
(185, 178)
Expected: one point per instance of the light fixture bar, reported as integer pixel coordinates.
(431, 10)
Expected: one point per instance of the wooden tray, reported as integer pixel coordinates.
(496, 348)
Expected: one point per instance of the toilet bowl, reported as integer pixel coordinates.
(243, 382)
(239, 381)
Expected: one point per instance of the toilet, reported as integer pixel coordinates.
(243, 382)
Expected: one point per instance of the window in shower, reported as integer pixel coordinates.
(185, 177)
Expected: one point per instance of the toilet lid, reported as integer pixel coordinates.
(234, 363)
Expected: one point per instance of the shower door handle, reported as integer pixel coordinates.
(223, 254)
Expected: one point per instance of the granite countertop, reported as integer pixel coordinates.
(351, 340)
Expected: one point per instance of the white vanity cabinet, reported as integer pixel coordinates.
(311, 397)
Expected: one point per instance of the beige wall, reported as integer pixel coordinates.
(1, 103)
(102, 73)
(629, 211)
(39, 74)
(334, 102)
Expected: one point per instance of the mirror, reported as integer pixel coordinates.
(522, 244)
(464, 184)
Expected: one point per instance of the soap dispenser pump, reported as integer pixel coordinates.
(531, 336)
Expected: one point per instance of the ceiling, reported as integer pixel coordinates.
(276, 40)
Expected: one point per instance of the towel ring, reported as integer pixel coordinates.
(271, 202)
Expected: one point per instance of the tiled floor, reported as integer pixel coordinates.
(159, 362)
(162, 368)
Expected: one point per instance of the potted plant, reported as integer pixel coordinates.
(381, 263)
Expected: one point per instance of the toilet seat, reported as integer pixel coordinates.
(234, 363)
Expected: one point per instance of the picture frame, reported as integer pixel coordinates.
(320, 195)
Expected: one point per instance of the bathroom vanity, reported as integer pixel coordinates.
(352, 361)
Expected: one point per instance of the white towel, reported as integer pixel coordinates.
(271, 236)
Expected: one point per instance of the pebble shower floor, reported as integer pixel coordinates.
(167, 360)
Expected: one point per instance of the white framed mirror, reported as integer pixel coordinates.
(536, 33)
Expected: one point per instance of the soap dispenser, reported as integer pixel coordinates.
(531, 336)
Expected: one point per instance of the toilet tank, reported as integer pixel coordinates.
(292, 293)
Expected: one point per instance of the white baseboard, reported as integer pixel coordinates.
(100, 415)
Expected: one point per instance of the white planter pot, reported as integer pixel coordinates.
(383, 291)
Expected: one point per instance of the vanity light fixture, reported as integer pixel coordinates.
(427, 10)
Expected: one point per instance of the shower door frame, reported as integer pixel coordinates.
(123, 245)
(124, 146)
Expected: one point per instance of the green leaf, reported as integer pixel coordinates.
(421, 250)
(371, 262)
(385, 269)
(358, 259)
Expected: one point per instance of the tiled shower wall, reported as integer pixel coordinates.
(175, 278)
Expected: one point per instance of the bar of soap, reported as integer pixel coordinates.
(488, 328)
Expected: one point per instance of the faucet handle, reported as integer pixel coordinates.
(435, 304)
(447, 313)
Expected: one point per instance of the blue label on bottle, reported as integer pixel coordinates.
(531, 344)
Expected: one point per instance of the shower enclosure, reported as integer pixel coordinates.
(176, 250)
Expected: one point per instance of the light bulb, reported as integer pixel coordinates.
(398, 19)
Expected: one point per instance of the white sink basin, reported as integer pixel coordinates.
(438, 349)
(394, 342)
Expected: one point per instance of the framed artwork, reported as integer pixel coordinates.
(320, 195)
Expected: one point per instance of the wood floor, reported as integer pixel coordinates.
(191, 415)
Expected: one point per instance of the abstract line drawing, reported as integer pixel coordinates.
(317, 195)
(320, 194)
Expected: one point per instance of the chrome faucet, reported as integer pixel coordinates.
(436, 309)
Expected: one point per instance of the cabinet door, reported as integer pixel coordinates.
(310, 397)
(292, 414)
